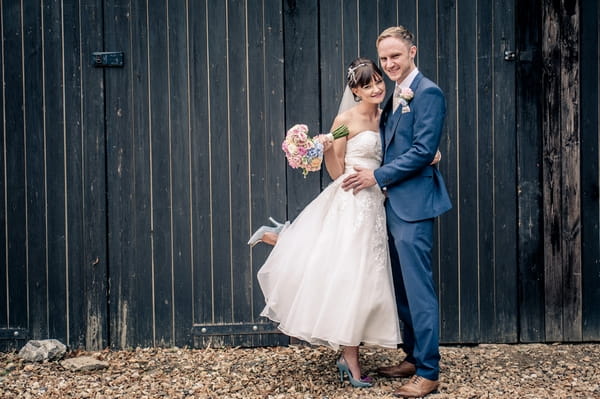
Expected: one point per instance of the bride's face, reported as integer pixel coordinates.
(372, 92)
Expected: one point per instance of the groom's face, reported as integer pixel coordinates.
(396, 57)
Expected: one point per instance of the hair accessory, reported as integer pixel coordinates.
(351, 74)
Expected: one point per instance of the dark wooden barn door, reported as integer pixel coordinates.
(193, 124)
(128, 193)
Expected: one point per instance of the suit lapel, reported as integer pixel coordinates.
(393, 118)
(415, 82)
(386, 117)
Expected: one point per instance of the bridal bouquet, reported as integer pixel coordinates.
(305, 152)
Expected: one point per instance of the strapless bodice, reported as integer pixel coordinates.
(364, 150)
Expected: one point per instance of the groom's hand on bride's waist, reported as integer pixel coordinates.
(363, 178)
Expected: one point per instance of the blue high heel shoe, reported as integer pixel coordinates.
(258, 234)
(344, 369)
(276, 223)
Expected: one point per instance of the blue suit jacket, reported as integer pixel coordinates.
(415, 189)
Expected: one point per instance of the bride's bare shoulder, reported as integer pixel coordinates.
(343, 119)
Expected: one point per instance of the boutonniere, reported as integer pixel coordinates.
(404, 96)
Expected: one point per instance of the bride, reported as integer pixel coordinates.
(328, 279)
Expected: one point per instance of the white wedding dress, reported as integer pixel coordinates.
(328, 280)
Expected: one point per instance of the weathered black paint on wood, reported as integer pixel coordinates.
(590, 198)
(529, 140)
(94, 262)
(54, 144)
(14, 172)
(302, 99)
(35, 205)
(561, 172)
(73, 151)
(448, 263)
(267, 124)
(128, 194)
(200, 95)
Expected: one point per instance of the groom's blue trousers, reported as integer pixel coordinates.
(416, 296)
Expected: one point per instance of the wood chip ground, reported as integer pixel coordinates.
(483, 371)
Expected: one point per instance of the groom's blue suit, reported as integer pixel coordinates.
(416, 194)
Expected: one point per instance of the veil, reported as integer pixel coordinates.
(347, 101)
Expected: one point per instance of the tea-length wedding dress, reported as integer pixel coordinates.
(328, 280)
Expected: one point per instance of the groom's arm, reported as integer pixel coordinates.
(430, 108)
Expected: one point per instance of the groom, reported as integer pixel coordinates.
(411, 127)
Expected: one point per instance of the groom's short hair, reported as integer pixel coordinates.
(399, 32)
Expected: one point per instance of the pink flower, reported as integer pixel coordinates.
(305, 152)
(407, 94)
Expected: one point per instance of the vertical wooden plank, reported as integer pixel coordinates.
(180, 143)
(427, 35)
(387, 14)
(129, 183)
(266, 128)
(138, 307)
(333, 67)
(485, 94)
(505, 232)
(449, 223)
(200, 150)
(120, 183)
(551, 175)
(468, 192)
(427, 62)
(407, 17)
(570, 168)
(488, 48)
(349, 24)
(590, 215)
(367, 32)
(14, 163)
(3, 188)
(529, 145)
(220, 167)
(54, 134)
(78, 292)
(35, 167)
(238, 158)
(161, 159)
(302, 90)
(94, 260)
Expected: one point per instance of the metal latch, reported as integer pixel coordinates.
(510, 55)
(523, 55)
(108, 59)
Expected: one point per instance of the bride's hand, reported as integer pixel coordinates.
(326, 140)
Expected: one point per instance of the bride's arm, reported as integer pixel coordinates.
(335, 154)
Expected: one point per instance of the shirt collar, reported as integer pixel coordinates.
(409, 79)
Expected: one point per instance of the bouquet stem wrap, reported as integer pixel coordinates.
(339, 132)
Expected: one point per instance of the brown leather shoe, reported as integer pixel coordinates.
(417, 387)
(403, 370)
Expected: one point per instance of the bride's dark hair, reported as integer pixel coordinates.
(361, 72)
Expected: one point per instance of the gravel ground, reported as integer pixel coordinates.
(484, 371)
